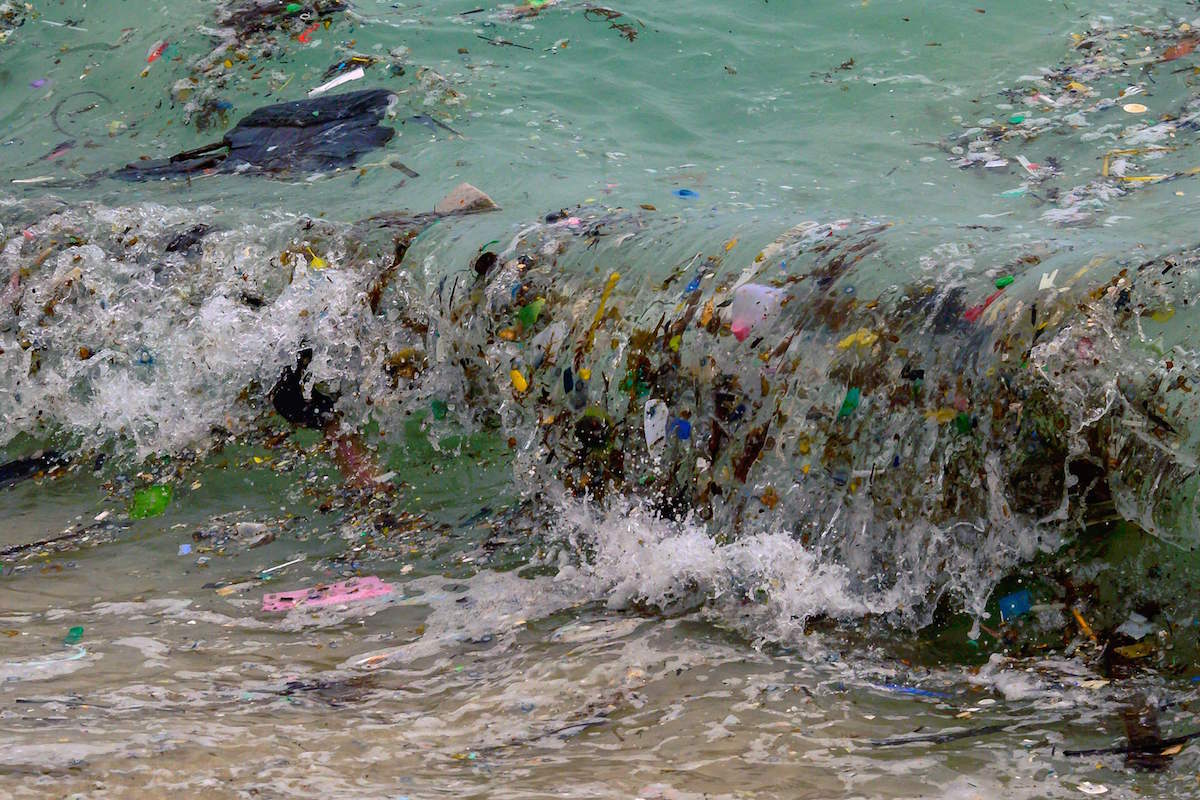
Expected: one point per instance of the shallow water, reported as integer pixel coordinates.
(799, 597)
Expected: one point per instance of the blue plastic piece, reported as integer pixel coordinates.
(693, 285)
(683, 429)
(686, 194)
(185, 549)
(1015, 604)
(899, 689)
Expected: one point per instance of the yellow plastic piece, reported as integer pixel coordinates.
(862, 337)
(316, 262)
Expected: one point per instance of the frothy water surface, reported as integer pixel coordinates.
(813, 417)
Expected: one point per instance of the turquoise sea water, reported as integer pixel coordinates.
(817, 336)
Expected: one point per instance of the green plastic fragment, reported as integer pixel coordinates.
(150, 502)
(439, 409)
(963, 422)
(75, 635)
(529, 314)
(1019, 192)
(294, 8)
(1004, 281)
(853, 395)
(1016, 119)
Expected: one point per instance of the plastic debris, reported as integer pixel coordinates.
(21, 469)
(863, 338)
(850, 402)
(155, 51)
(315, 261)
(753, 304)
(151, 501)
(1015, 604)
(354, 75)
(1092, 788)
(655, 422)
(318, 134)
(305, 36)
(1083, 625)
(528, 315)
(686, 194)
(916, 691)
(350, 591)
(74, 635)
(284, 565)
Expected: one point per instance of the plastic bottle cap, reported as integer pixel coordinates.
(1134, 108)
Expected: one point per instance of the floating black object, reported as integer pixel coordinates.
(326, 132)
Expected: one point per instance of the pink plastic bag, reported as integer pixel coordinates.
(328, 594)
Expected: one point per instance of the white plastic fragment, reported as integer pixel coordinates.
(353, 75)
(753, 304)
(655, 423)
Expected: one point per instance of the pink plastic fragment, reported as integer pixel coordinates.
(328, 594)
